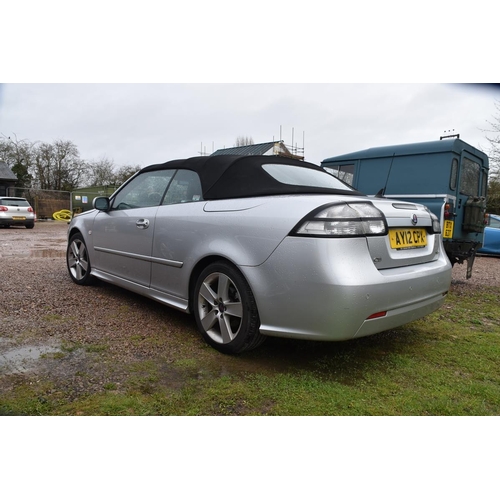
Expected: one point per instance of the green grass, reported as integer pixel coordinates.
(444, 364)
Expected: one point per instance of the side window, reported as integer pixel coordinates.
(346, 173)
(145, 190)
(454, 174)
(469, 177)
(184, 188)
(484, 185)
(343, 172)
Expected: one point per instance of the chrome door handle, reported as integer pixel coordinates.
(142, 223)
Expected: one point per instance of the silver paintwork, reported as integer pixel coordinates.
(304, 287)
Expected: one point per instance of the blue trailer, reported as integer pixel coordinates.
(449, 176)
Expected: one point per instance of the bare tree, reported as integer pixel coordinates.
(244, 141)
(125, 172)
(43, 166)
(69, 168)
(494, 140)
(19, 155)
(493, 200)
(58, 166)
(101, 172)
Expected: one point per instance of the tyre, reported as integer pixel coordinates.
(30, 226)
(225, 309)
(78, 261)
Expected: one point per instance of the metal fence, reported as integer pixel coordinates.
(44, 202)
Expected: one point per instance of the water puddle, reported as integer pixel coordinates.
(23, 359)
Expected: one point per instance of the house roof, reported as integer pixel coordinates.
(6, 173)
(276, 148)
(249, 150)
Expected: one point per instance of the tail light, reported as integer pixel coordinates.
(30, 209)
(3, 208)
(343, 220)
(448, 211)
(486, 219)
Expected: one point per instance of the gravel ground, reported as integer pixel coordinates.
(84, 339)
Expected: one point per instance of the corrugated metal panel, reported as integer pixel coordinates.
(250, 150)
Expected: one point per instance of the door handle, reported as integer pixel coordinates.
(142, 223)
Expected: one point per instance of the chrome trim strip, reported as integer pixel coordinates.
(147, 258)
(391, 196)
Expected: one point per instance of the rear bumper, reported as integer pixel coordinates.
(321, 289)
(401, 315)
(11, 222)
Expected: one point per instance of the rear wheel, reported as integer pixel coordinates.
(78, 261)
(29, 226)
(225, 309)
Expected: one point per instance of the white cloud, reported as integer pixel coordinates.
(151, 123)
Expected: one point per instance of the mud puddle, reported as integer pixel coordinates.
(23, 359)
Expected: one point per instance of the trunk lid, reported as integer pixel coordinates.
(410, 240)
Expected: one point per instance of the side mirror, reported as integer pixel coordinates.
(101, 203)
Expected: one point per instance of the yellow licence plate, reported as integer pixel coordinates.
(402, 239)
(448, 229)
(18, 218)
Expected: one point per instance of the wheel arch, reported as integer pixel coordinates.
(74, 231)
(202, 264)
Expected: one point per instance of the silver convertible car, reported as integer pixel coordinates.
(258, 246)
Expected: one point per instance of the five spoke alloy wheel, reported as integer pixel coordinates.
(225, 309)
(77, 259)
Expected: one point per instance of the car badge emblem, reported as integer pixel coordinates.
(414, 219)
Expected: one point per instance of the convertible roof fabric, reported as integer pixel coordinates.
(234, 176)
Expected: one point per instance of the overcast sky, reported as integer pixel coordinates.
(151, 123)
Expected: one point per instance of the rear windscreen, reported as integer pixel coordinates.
(12, 202)
(296, 176)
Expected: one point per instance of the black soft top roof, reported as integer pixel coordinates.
(235, 176)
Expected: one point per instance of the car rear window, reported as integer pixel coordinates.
(297, 176)
(14, 202)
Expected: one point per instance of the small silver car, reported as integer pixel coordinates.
(16, 211)
(258, 246)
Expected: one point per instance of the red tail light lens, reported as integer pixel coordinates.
(3, 208)
(30, 209)
(380, 314)
(448, 210)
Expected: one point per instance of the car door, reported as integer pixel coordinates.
(177, 235)
(123, 236)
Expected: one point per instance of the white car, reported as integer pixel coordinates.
(16, 212)
(258, 246)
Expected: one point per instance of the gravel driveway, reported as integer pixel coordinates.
(84, 339)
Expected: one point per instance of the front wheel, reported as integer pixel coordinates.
(78, 261)
(225, 309)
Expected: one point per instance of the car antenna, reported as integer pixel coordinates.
(381, 193)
